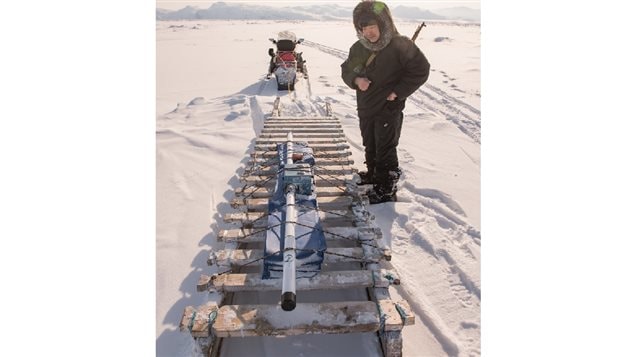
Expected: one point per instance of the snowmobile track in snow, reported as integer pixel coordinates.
(432, 98)
(355, 248)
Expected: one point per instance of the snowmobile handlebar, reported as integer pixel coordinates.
(299, 41)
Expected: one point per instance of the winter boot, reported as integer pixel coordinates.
(381, 194)
(385, 190)
(366, 178)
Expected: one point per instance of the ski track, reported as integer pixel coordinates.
(432, 98)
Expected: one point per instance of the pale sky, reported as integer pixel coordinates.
(424, 4)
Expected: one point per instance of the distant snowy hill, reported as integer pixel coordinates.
(325, 12)
(461, 13)
(414, 13)
(225, 11)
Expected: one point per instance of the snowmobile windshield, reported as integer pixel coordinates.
(285, 45)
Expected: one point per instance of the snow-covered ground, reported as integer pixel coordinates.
(77, 262)
(212, 99)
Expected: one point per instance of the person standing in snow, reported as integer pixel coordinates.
(384, 68)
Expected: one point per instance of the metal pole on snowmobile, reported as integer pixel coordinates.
(288, 258)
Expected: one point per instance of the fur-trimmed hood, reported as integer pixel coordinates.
(381, 14)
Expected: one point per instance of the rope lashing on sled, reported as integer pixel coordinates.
(248, 263)
(255, 157)
(326, 251)
(392, 279)
(320, 210)
(260, 231)
(382, 319)
(259, 184)
(335, 182)
(191, 324)
(211, 318)
(325, 211)
(402, 313)
(267, 163)
(344, 237)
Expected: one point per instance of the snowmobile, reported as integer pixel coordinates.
(285, 61)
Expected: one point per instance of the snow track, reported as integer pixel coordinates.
(437, 252)
(432, 98)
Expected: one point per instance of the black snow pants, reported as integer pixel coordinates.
(380, 137)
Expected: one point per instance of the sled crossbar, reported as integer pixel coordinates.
(326, 280)
(306, 318)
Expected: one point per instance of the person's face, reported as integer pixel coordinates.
(371, 33)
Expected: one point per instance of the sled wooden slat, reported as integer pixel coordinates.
(300, 135)
(297, 133)
(270, 153)
(397, 313)
(259, 219)
(320, 161)
(245, 217)
(264, 192)
(317, 155)
(322, 170)
(299, 123)
(325, 203)
(295, 126)
(300, 118)
(341, 279)
(268, 181)
(327, 224)
(330, 164)
(240, 257)
(332, 170)
(248, 235)
(261, 216)
(315, 147)
(302, 130)
(306, 318)
(311, 142)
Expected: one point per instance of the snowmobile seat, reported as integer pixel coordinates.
(286, 56)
